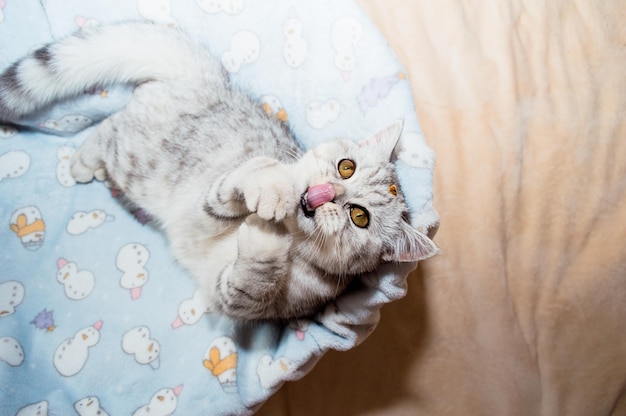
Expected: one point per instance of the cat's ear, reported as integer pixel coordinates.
(411, 246)
(383, 142)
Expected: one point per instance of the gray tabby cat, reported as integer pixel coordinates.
(267, 230)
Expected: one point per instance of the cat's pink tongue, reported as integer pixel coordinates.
(319, 194)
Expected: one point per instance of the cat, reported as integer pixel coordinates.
(267, 230)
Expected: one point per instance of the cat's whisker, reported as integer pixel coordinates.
(291, 153)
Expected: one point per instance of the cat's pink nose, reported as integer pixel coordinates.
(318, 195)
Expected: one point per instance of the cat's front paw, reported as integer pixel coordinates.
(84, 173)
(273, 195)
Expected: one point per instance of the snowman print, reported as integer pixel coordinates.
(34, 409)
(89, 406)
(190, 311)
(11, 352)
(137, 342)
(245, 48)
(64, 157)
(273, 372)
(14, 164)
(345, 36)
(131, 260)
(83, 221)
(72, 354)
(11, 296)
(78, 283)
(162, 403)
(295, 47)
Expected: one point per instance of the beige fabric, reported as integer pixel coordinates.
(525, 312)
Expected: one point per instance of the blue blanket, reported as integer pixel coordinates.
(94, 313)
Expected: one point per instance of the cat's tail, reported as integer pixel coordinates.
(127, 53)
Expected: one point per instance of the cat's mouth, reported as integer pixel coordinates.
(318, 195)
(308, 211)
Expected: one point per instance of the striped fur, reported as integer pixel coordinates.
(225, 181)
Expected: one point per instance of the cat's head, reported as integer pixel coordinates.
(353, 215)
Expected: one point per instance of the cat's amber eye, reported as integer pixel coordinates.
(360, 217)
(346, 168)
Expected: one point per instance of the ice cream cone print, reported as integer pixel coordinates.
(27, 223)
(221, 361)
